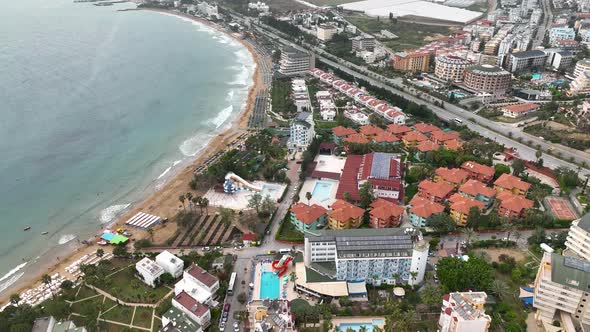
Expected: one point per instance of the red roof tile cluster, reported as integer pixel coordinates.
(443, 136)
(477, 168)
(385, 137)
(439, 190)
(191, 304)
(357, 139)
(452, 175)
(370, 130)
(512, 202)
(474, 188)
(507, 181)
(426, 146)
(424, 208)
(426, 128)
(344, 211)
(463, 204)
(397, 129)
(203, 276)
(343, 131)
(306, 213)
(453, 145)
(249, 237)
(384, 209)
(521, 108)
(414, 136)
(349, 178)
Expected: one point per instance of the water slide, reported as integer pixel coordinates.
(233, 183)
(280, 266)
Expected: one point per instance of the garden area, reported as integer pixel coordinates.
(288, 232)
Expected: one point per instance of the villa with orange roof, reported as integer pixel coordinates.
(440, 136)
(398, 130)
(357, 139)
(370, 130)
(518, 110)
(426, 146)
(385, 214)
(512, 206)
(426, 128)
(385, 137)
(339, 133)
(478, 171)
(479, 191)
(452, 176)
(511, 183)
(412, 139)
(308, 217)
(453, 145)
(436, 192)
(461, 206)
(345, 215)
(422, 210)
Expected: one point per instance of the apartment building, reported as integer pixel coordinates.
(581, 67)
(461, 207)
(452, 176)
(412, 62)
(559, 33)
(301, 132)
(450, 67)
(478, 171)
(422, 210)
(308, 217)
(374, 256)
(149, 272)
(512, 206)
(363, 43)
(479, 191)
(436, 192)
(325, 32)
(527, 60)
(385, 214)
(294, 62)
(464, 312)
(345, 215)
(578, 237)
(511, 183)
(170, 263)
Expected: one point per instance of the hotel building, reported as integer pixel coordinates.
(363, 43)
(578, 237)
(464, 312)
(450, 67)
(301, 132)
(325, 32)
(294, 62)
(412, 62)
(528, 60)
(487, 79)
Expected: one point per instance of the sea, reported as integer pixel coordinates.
(98, 108)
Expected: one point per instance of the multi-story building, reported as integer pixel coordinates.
(559, 59)
(581, 84)
(436, 192)
(149, 272)
(412, 62)
(301, 132)
(300, 95)
(194, 310)
(422, 210)
(199, 284)
(461, 207)
(478, 171)
(527, 60)
(559, 33)
(294, 62)
(487, 79)
(376, 256)
(464, 312)
(325, 32)
(450, 68)
(512, 206)
(581, 67)
(511, 183)
(363, 43)
(308, 217)
(479, 191)
(175, 320)
(578, 237)
(385, 214)
(452, 176)
(345, 215)
(208, 9)
(170, 263)
(355, 115)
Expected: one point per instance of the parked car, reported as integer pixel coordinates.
(226, 307)
(206, 249)
(272, 252)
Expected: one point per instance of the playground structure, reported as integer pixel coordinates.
(280, 265)
(233, 183)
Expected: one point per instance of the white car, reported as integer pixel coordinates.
(236, 327)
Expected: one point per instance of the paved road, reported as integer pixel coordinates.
(547, 19)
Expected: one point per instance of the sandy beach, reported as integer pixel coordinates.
(163, 202)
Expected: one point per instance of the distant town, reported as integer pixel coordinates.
(406, 166)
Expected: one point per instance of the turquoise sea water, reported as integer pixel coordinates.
(97, 109)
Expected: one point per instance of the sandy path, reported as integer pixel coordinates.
(164, 202)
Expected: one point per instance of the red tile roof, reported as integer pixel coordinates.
(308, 214)
(414, 136)
(249, 237)
(349, 178)
(370, 130)
(439, 190)
(463, 204)
(398, 129)
(426, 208)
(426, 127)
(203, 276)
(442, 136)
(426, 146)
(513, 202)
(191, 304)
(385, 137)
(474, 188)
(344, 211)
(521, 108)
(343, 131)
(357, 139)
(472, 166)
(507, 181)
(453, 145)
(384, 209)
(452, 175)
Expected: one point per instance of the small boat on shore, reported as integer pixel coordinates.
(44, 233)
(27, 228)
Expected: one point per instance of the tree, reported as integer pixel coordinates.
(15, 299)
(458, 275)
(167, 279)
(181, 198)
(469, 234)
(347, 197)
(198, 201)
(255, 202)
(308, 197)
(205, 204)
(500, 289)
(507, 226)
(120, 251)
(242, 298)
(442, 223)
(538, 155)
(366, 195)
(268, 206)
(430, 295)
(150, 232)
(189, 198)
(501, 169)
(474, 217)
(99, 252)
(518, 167)
(66, 284)
(227, 215)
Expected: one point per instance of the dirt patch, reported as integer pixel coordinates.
(579, 136)
(494, 253)
(557, 125)
(433, 38)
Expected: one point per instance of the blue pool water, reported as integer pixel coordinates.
(357, 326)
(269, 286)
(457, 94)
(322, 190)
(537, 76)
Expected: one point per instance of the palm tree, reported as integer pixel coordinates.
(414, 274)
(469, 234)
(151, 233)
(538, 154)
(99, 252)
(189, 197)
(205, 204)
(227, 215)
(363, 328)
(197, 201)
(308, 197)
(181, 198)
(500, 288)
(507, 226)
(46, 279)
(15, 299)
(395, 276)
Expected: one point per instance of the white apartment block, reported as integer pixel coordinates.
(578, 237)
(199, 284)
(149, 272)
(581, 67)
(327, 106)
(259, 6)
(294, 62)
(300, 95)
(464, 312)
(170, 263)
(355, 115)
(301, 132)
(363, 43)
(559, 33)
(325, 32)
(581, 84)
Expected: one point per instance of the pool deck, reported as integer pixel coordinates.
(357, 319)
(309, 185)
(239, 200)
(291, 295)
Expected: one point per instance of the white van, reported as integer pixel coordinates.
(284, 251)
(459, 121)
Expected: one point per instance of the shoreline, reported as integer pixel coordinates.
(161, 201)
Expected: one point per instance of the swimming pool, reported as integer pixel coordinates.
(269, 286)
(357, 326)
(537, 76)
(321, 190)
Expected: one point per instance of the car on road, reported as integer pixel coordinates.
(226, 307)
(272, 252)
(221, 326)
(206, 249)
(236, 327)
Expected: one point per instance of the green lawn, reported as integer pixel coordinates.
(119, 314)
(143, 317)
(127, 287)
(288, 232)
(85, 292)
(96, 302)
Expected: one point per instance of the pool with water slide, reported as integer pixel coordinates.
(269, 286)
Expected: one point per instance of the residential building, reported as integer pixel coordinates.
(559, 33)
(412, 138)
(357, 139)
(386, 138)
(345, 215)
(478, 171)
(412, 62)
(50, 324)
(527, 60)
(370, 130)
(175, 320)
(479, 191)
(170, 263)
(385, 214)
(356, 116)
(308, 217)
(339, 133)
(450, 67)
(453, 145)
(194, 310)
(259, 6)
(325, 32)
(461, 207)
(512, 206)
(299, 95)
(560, 60)
(464, 312)
(452, 176)
(363, 42)
(578, 237)
(149, 272)
(580, 85)
(441, 136)
(248, 239)
(519, 110)
(487, 79)
(398, 130)
(424, 147)
(199, 284)
(436, 192)
(301, 132)
(422, 210)
(426, 128)
(267, 316)
(374, 256)
(511, 183)
(561, 291)
(581, 67)
(294, 62)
